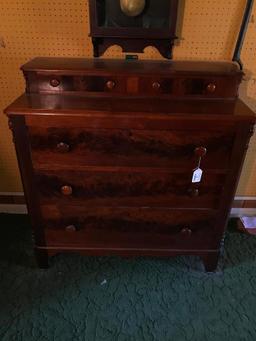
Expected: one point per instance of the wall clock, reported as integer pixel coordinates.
(133, 25)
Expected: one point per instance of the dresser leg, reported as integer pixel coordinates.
(210, 261)
(42, 258)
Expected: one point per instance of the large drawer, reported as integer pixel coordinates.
(119, 187)
(64, 146)
(142, 228)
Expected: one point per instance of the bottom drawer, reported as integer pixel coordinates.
(142, 228)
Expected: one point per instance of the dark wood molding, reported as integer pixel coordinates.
(132, 45)
(22, 146)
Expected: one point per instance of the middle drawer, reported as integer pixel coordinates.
(117, 187)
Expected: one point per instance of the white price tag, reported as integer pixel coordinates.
(197, 175)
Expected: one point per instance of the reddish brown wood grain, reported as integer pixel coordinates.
(111, 174)
(141, 148)
(148, 113)
(176, 79)
(129, 227)
(92, 66)
(206, 87)
(111, 187)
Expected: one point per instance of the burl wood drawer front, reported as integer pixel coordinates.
(54, 147)
(109, 187)
(129, 227)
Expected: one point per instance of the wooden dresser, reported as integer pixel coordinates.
(107, 150)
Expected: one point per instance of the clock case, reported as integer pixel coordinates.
(155, 26)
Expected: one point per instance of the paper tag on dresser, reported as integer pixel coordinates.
(197, 175)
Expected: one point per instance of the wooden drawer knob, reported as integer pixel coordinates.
(110, 85)
(54, 82)
(211, 88)
(71, 228)
(63, 147)
(187, 232)
(66, 190)
(156, 85)
(200, 151)
(194, 192)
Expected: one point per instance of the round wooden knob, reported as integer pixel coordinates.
(186, 232)
(156, 85)
(54, 82)
(211, 88)
(66, 190)
(194, 192)
(110, 85)
(70, 228)
(200, 151)
(63, 147)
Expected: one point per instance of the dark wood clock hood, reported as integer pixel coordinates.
(155, 26)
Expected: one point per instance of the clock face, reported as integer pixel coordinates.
(151, 14)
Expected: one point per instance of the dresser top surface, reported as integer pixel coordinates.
(34, 104)
(52, 64)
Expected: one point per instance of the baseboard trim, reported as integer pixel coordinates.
(13, 209)
(12, 194)
(14, 203)
(12, 199)
(240, 212)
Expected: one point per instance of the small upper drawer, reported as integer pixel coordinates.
(196, 87)
(179, 79)
(68, 83)
(157, 86)
(215, 87)
(126, 85)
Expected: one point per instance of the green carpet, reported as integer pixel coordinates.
(96, 298)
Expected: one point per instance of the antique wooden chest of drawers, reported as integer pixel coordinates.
(107, 150)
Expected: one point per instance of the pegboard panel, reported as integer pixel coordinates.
(29, 28)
